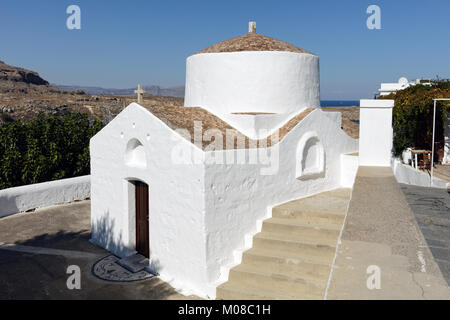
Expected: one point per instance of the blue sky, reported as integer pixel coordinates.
(122, 43)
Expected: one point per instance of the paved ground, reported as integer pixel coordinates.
(381, 236)
(46, 242)
(431, 207)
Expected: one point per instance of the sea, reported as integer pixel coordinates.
(339, 103)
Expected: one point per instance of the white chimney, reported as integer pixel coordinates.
(252, 27)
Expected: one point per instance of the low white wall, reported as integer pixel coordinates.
(375, 132)
(407, 174)
(23, 198)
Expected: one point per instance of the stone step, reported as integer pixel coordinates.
(315, 218)
(299, 265)
(284, 284)
(309, 240)
(298, 227)
(318, 203)
(315, 248)
(134, 263)
(343, 193)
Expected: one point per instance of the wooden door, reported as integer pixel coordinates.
(142, 227)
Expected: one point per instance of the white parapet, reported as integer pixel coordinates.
(32, 196)
(375, 132)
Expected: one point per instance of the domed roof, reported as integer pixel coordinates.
(252, 41)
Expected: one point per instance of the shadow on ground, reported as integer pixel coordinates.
(42, 276)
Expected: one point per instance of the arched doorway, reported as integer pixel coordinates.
(142, 214)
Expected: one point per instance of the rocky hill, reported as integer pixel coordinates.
(15, 74)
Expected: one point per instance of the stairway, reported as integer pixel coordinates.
(292, 255)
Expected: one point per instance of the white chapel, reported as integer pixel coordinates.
(188, 187)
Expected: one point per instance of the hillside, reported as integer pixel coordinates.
(14, 74)
(24, 94)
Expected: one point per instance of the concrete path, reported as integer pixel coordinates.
(381, 237)
(431, 207)
(36, 249)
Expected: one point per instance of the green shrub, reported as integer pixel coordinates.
(46, 148)
(413, 117)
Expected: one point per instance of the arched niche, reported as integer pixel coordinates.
(135, 154)
(310, 157)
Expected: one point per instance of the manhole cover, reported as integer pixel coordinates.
(108, 269)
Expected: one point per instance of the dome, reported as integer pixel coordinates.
(252, 41)
(252, 73)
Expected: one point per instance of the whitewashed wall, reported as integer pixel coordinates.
(39, 195)
(176, 198)
(375, 132)
(252, 81)
(239, 197)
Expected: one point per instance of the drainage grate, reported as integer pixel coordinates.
(108, 269)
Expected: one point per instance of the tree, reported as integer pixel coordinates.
(413, 117)
(46, 148)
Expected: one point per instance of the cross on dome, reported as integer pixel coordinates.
(140, 94)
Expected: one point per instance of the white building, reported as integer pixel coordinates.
(403, 83)
(172, 184)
